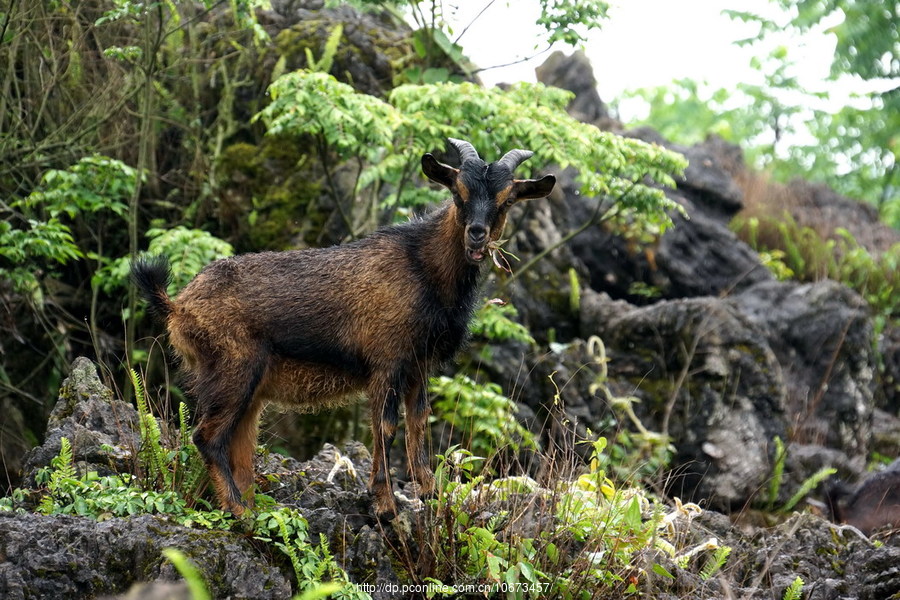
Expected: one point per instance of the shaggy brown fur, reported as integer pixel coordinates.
(315, 328)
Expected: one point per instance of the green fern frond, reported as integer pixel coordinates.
(184, 417)
(715, 562)
(287, 546)
(63, 463)
(807, 486)
(62, 477)
(777, 471)
(138, 386)
(152, 453)
(795, 590)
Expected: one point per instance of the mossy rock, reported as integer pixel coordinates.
(366, 56)
(269, 195)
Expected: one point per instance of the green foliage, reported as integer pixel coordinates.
(715, 563)
(433, 47)
(795, 590)
(808, 485)
(89, 495)
(567, 20)
(587, 546)
(191, 574)
(152, 454)
(64, 199)
(188, 251)
(66, 493)
(861, 43)
(391, 137)
(121, 496)
(777, 472)
(41, 242)
(495, 322)
(347, 122)
(324, 64)
(481, 413)
(574, 292)
(287, 529)
(808, 256)
(755, 116)
(93, 184)
(170, 482)
(164, 464)
(61, 474)
(854, 149)
(532, 116)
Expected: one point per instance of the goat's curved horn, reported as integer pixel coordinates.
(514, 158)
(465, 150)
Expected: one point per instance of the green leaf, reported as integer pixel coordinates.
(662, 571)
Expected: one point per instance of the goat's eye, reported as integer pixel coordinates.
(509, 202)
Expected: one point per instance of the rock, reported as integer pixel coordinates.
(707, 379)
(699, 256)
(86, 558)
(101, 429)
(842, 564)
(330, 490)
(817, 206)
(822, 336)
(889, 381)
(709, 179)
(575, 74)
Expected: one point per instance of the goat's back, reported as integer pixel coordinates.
(357, 307)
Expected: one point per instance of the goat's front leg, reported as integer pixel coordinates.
(385, 401)
(418, 459)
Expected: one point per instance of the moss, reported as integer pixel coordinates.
(269, 195)
(368, 56)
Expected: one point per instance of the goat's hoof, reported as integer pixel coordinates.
(385, 511)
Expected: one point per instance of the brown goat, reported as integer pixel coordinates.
(315, 328)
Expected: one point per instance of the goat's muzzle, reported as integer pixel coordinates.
(476, 243)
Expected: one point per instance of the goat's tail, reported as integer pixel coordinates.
(151, 275)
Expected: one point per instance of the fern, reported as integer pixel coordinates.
(190, 465)
(152, 454)
(287, 546)
(62, 479)
(807, 486)
(184, 432)
(794, 591)
(63, 465)
(714, 563)
(777, 472)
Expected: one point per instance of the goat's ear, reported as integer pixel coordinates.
(526, 189)
(439, 172)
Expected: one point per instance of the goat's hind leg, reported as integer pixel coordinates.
(226, 434)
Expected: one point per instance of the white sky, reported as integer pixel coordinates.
(644, 43)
